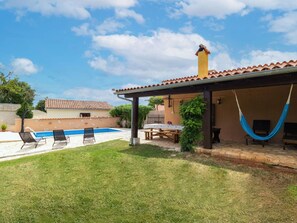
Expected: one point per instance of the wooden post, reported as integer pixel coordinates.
(134, 124)
(207, 122)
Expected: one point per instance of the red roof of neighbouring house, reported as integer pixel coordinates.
(74, 104)
(216, 74)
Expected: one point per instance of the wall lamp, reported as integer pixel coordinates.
(219, 101)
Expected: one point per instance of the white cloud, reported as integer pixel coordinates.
(286, 24)
(109, 26)
(187, 28)
(284, 5)
(256, 57)
(129, 85)
(84, 93)
(220, 9)
(93, 94)
(162, 55)
(213, 25)
(83, 30)
(2, 66)
(23, 66)
(223, 61)
(128, 13)
(69, 8)
(214, 8)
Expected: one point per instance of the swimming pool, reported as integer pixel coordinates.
(74, 132)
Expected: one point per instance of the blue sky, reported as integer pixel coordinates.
(75, 49)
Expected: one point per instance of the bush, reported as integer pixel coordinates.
(124, 113)
(25, 110)
(3, 127)
(192, 114)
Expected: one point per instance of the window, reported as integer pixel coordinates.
(83, 115)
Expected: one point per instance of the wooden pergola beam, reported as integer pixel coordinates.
(207, 122)
(134, 124)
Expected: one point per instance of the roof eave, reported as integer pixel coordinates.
(212, 80)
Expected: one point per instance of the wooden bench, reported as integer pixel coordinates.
(290, 134)
(149, 133)
(170, 134)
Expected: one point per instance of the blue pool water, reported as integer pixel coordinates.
(74, 132)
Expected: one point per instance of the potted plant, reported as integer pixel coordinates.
(3, 127)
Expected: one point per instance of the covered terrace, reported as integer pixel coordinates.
(256, 77)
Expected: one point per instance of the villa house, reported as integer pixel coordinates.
(262, 93)
(58, 108)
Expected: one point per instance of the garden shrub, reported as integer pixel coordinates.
(3, 127)
(124, 113)
(192, 117)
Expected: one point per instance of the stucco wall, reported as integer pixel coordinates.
(172, 113)
(8, 113)
(67, 123)
(258, 103)
(37, 114)
(72, 113)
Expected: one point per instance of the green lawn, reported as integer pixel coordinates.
(112, 182)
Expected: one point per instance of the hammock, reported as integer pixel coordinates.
(276, 129)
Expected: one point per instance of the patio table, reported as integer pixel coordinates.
(163, 130)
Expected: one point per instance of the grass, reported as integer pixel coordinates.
(112, 182)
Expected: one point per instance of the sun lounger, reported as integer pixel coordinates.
(28, 138)
(59, 136)
(89, 135)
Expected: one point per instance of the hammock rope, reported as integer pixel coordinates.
(276, 129)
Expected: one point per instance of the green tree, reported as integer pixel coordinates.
(14, 91)
(192, 114)
(155, 100)
(124, 113)
(41, 105)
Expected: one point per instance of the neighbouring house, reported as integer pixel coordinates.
(70, 114)
(59, 108)
(262, 92)
(8, 113)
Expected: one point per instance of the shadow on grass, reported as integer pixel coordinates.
(152, 151)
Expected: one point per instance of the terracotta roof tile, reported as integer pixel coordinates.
(74, 104)
(216, 74)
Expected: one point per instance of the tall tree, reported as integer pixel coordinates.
(41, 105)
(14, 91)
(155, 100)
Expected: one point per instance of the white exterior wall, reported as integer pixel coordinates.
(72, 113)
(8, 113)
(7, 117)
(37, 114)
